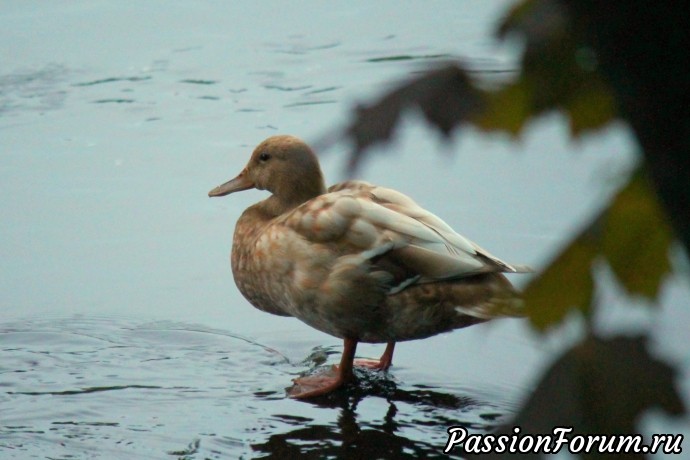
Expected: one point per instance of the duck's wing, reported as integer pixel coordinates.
(455, 243)
(392, 233)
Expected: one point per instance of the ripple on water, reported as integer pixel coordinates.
(114, 388)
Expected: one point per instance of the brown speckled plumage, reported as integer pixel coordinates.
(356, 261)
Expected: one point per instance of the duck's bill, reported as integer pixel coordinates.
(237, 184)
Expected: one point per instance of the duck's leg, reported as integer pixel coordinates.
(321, 384)
(383, 363)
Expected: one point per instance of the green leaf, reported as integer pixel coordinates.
(631, 234)
(559, 71)
(566, 284)
(507, 109)
(592, 106)
(637, 238)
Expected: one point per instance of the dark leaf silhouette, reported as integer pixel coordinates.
(594, 62)
(644, 60)
(558, 69)
(558, 73)
(601, 386)
(445, 96)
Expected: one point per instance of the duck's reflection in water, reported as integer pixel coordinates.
(421, 434)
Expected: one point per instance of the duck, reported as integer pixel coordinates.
(357, 261)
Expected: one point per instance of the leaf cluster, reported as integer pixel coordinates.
(582, 59)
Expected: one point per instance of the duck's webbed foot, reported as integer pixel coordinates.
(381, 364)
(317, 385)
(326, 382)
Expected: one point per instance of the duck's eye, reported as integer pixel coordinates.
(264, 156)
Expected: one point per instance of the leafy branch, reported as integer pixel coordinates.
(580, 59)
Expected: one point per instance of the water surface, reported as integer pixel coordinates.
(122, 334)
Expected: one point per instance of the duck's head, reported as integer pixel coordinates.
(285, 166)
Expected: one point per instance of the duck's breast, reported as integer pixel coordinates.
(261, 265)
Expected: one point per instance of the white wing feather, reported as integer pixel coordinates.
(370, 217)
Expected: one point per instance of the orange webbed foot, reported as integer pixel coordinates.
(381, 364)
(326, 382)
(317, 385)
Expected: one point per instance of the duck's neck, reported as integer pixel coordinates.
(298, 193)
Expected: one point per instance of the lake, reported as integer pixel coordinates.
(122, 332)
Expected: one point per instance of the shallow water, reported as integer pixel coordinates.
(123, 335)
(113, 388)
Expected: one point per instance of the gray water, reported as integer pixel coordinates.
(122, 333)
